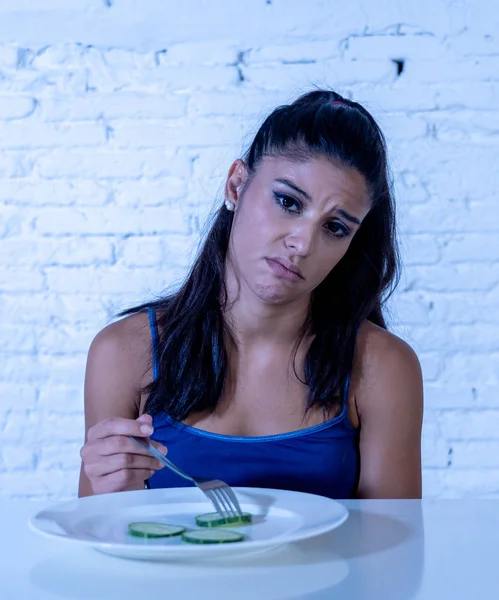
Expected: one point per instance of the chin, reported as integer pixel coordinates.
(273, 294)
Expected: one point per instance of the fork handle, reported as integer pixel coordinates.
(157, 454)
(177, 470)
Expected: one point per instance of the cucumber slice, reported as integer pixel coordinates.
(212, 536)
(154, 530)
(215, 520)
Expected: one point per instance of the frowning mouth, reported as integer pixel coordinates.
(284, 269)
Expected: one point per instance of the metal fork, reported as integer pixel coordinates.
(218, 492)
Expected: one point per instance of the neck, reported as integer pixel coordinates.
(254, 321)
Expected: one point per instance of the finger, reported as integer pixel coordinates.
(118, 462)
(126, 479)
(119, 426)
(145, 418)
(116, 444)
(160, 447)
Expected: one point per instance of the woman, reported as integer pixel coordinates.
(272, 366)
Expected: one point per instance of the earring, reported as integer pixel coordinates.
(229, 205)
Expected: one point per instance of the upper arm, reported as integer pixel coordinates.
(390, 405)
(114, 376)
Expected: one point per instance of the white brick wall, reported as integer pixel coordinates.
(118, 121)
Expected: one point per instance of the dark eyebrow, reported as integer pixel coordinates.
(348, 216)
(294, 187)
(344, 214)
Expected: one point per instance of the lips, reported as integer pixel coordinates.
(281, 267)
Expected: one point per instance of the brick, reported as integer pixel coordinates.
(412, 308)
(111, 220)
(179, 249)
(475, 455)
(469, 424)
(467, 247)
(20, 427)
(45, 309)
(114, 280)
(109, 164)
(72, 252)
(21, 280)
(65, 339)
(290, 76)
(182, 78)
(431, 365)
(18, 457)
(20, 134)
(299, 52)
(471, 369)
(200, 53)
(54, 192)
(158, 134)
(483, 95)
(438, 71)
(119, 105)
(15, 163)
(243, 104)
(149, 192)
(387, 47)
(487, 395)
(15, 107)
(65, 456)
(186, 78)
(61, 426)
(393, 96)
(17, 339)
(434, 448)
(477, 337)
(463, 126)
(61, 399)
(23, 397)
(142, 252)
(454, 277)
(39, 484)
(403, 127)
(8, 56)
(420, 249)
(449, 395)
(66, 369)
(467, 483)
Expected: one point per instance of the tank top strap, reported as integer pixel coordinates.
(347, 387)
(155, 340)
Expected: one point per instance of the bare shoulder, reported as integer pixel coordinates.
(128, 335)
(389, 401)
(119, 363)
(386, 368)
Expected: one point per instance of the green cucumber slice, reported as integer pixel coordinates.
(154, 530)
(215, 520)
(212, 536)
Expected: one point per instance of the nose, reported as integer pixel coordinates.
(301, 239)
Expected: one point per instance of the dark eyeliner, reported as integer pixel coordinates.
(278, 196)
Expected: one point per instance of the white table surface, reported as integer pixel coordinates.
(443, 549)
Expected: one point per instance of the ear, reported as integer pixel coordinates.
(238, 174)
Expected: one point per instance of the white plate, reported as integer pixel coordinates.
(279, 517)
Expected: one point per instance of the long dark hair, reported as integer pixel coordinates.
(192, 354)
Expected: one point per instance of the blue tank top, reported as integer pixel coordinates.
(323, 459)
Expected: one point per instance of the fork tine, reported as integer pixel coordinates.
(225, 501)
(227, 497)
(215, 502)
(232, 496)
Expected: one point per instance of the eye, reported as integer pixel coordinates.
(337, 229)
(287, 203)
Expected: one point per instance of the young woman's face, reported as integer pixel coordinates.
(293, 224)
